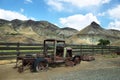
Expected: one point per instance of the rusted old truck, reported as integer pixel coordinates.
(59, 54)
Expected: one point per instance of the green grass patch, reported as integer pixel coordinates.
(112, 55)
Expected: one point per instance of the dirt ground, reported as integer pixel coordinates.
(7, 72)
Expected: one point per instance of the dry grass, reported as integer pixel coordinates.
(2, 62)
(111, 55)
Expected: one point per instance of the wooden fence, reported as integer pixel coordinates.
(11, 50)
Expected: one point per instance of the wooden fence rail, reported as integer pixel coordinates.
(10, 50)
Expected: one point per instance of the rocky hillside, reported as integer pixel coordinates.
(31, 31)
(67, 32)
(92, 33)
(36, 31)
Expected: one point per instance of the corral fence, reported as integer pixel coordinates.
(11, 50)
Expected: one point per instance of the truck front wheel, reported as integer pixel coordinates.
(41, 66)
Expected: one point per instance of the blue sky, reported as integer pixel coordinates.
(64, 13)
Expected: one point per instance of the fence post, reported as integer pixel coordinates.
(18, 53)
(81, 49)
(102, 49)
(109, 49)
(93, 49)
(18, 50)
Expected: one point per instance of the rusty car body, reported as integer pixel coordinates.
(54, 51)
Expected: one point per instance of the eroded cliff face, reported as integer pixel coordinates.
(36, 31)
(31, 31)
(92, 33)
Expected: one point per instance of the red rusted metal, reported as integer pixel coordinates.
(87, 58)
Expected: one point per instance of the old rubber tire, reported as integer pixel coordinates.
(39, 64)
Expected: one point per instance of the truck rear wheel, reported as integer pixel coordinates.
(76, 60)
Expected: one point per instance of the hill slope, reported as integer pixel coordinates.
(36, 31)
(92, 33)
(31, 31)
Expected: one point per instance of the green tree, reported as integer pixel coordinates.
(103, 42)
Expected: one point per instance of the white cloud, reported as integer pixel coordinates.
(78, 21)
(61, 4)
(21, 10)
(114, 25)
(55, 4)
(105, 1)
(115, 12)
(28, 1)
(101, 14)
(10, 15)
(86, 3)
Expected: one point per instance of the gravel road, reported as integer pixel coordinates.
(98, 74)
